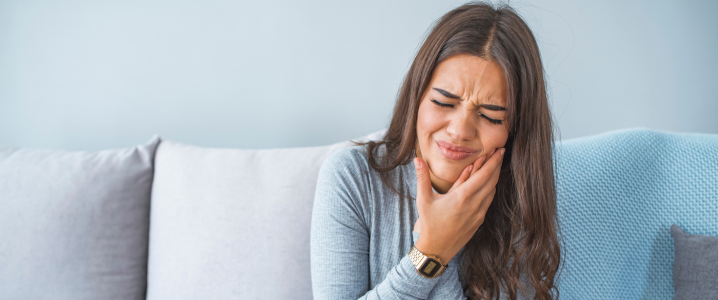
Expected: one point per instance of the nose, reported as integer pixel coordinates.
(462, 127)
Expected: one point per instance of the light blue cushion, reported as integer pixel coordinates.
(618, 194)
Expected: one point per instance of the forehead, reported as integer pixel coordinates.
(472, 78)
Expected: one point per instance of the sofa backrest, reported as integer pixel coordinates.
(618, 195)
(234, 224)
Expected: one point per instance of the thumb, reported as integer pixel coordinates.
(423, 180)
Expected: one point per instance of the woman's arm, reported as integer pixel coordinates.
(340, 240)
(449, 286)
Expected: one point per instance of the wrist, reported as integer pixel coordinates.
(431, 249)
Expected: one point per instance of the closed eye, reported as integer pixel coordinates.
(441, 103)
(493, 121)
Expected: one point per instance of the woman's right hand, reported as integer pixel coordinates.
(449, 221)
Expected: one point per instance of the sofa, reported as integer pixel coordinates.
(167, 220)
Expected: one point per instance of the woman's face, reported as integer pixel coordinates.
(462, 116)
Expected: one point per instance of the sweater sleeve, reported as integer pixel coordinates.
(340, 239)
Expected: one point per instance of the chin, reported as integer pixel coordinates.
(445, 172)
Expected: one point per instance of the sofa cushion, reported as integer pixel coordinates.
(618, 195)
(695, 268)
(74, 225)
(231, 223)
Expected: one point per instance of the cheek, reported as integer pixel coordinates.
(429, 121)
(492, 136)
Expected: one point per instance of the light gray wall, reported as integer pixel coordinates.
(262, 74)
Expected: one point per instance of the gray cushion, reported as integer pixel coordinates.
(232, 224)
(695, 268)
(74, 225)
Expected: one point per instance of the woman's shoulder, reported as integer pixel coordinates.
(347, 168)
(353, 158)
(344, 187)
(351, 168)
(346, 160)
(351, 154)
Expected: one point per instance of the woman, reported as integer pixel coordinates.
(466, 164)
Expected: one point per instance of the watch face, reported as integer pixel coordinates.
(430, 267)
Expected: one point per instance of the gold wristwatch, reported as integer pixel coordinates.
(428, 266)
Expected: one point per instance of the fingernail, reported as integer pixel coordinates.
(470, 167)
(502, 151)
(416, 163)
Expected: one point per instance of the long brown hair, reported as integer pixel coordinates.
(520, 230)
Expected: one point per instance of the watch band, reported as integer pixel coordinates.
(428, 266)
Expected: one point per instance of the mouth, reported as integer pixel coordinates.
(454, 152)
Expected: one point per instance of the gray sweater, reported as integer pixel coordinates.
(361, 234)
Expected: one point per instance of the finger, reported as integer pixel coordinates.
(478, 163)
(486, 193)
(493, 180)
(485, 173)
(423, 180)
(484, 207)
(462, 177)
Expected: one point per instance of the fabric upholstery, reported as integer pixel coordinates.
(618, 194)
(695, 268)
(74, 225)
(231, 223)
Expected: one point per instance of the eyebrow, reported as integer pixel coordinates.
(486, 106)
